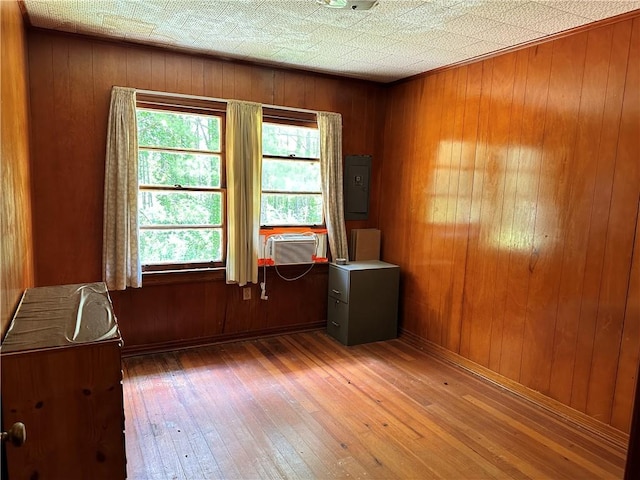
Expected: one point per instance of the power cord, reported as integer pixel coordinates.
(263, 284)
(295, 278)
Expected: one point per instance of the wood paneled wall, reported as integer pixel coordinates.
(511, 204)
(16, 250)
(70, 80)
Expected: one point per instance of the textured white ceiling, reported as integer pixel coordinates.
(395, 39)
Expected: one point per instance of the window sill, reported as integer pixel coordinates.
(168, 277)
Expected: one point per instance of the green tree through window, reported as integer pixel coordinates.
(291, 189)
(181, 198)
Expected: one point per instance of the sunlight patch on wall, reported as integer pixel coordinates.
(503, 180)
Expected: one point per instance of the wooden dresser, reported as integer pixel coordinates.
(62, 378)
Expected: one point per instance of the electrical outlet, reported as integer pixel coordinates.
(246, 293)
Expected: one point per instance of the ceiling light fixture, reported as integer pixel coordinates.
(349, 4)
(333, 3)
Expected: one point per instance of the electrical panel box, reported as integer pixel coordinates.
(357, 173)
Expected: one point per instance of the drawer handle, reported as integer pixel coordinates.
(335, 324)
(337, 292)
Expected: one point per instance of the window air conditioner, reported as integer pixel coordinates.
(292, 248)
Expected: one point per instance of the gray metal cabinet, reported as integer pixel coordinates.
(363, 302)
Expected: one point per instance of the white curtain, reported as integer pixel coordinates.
(120, 257)
(244, 178)
(330, 127)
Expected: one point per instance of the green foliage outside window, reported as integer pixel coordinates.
(179, 151)
(288, 140)
(184, 169)
(283, 209)
(179, 208)
(290, 176)
(180, 246)
(178, 130)
(180, 169)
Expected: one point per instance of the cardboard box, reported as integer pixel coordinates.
(365, 244)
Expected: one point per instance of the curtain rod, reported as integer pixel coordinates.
(225, 100)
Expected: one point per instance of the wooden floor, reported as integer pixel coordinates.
(304, 406)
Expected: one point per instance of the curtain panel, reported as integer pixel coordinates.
(120, 256)
(330, 127)
(244, 181)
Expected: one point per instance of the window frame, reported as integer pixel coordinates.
(294, 118)
(188, 106)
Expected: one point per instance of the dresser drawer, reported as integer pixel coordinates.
(339, 284)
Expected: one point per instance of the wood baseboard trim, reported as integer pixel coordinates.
(596, 427)
(133, 350)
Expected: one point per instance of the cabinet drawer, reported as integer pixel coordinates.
(338, 320)
(339, 283)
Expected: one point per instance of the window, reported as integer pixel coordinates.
(181, 198)
(291, 188)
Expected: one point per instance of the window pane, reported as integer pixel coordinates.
(178, 130)
(288, 140)
(185, 169)
(179, 208)
(291, 176)
(282, 209)
(180, 246)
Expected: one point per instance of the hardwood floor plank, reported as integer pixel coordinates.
(304, 406)
(151, 393)
(398, 414)
(485, 445)
(279, 423)
(562, 452)
(237, 440)
(433, 428)
(460, 384)
(190, 412)
(308, 430)
(387, 419)
(332, 404)
(141, 459)
(351, 427)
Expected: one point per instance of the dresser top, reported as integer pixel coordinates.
(62, 315)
